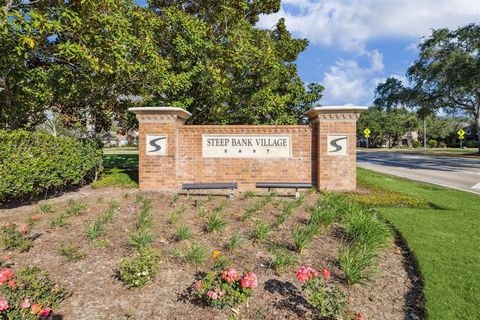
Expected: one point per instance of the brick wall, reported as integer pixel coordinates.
(310, 160)
(192, 167)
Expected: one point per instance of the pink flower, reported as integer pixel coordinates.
(4, 304)
(22, 228)
(45, 312)
(249, 280)
(361, 316)
(36, 308)
(326, 274)
(230, 275)
(197, 285)
(306, 273)
(6, 274)
(25, 303)
(11, 283)
(212, 295)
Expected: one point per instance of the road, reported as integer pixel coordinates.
(457, 173)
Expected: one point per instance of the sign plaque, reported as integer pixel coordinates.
(156, 145)
(337, 145)
(246, 146)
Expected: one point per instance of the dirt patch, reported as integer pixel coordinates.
(392, 293)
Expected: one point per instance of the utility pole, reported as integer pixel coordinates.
(425, 134)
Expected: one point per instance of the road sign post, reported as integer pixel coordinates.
(461, 136)
(366, 133)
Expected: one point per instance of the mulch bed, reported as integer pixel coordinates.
(394, 292)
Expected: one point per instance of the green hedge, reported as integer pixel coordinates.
(35, 163)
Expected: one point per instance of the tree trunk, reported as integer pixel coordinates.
(477, 124)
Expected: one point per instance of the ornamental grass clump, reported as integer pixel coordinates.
(262, 231)
(74, 209)
(227, 288)
(183, 233)
(28, 294)
(142, 266)
(282, 258)
(257, 206)
(196, 255)
(96, 228)
(357, 262)
(235, 241)
(303, 236)
(215, 222)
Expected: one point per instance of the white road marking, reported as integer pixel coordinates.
(477, 186)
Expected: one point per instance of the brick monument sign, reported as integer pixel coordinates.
(321, 153)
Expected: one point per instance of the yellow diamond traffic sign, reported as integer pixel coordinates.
(366, 132)
(461, 133)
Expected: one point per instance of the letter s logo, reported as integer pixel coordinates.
(154, 144)
(334, 144)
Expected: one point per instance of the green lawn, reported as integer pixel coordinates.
(446, 242)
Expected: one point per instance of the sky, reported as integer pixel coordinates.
(355, 44)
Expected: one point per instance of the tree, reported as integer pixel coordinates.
(92, 59)
(447, 72)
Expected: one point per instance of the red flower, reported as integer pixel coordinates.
(361, 316)
(6, 274)
(230, 275)
(25, 304)
(306, 273)
(326, 274)
(36, 308)
(249, 280)
(4, 304)
(45, 312)
(11, 283)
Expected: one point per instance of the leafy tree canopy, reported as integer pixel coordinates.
(91, 60)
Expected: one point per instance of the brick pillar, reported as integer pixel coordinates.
(157, 149)
(335, 127)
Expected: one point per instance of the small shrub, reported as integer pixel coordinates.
(215, 222)
(117, 178)
(282, 259)
(139, 269)
(225, 289)
(33, 163)
(141, 239)
(71, 252)
(196, 255)
(183, 233)
(302, 236)
(262, 231)
(328, 300)
(16, 237)
(235, 241)
(416, 144)
(432, 143)
(46, 208)
(357, 263)
(32, 296)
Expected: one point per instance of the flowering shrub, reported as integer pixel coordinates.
(17, 236)
(327, 299)
(27, 294)
(225, 289)
(141, 268)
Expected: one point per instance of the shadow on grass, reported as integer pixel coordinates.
(122, 161)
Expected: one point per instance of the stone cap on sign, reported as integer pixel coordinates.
(161, 112)
(335, 112)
